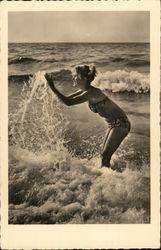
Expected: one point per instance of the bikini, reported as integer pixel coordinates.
(121, 121)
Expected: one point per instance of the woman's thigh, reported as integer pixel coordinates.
(114, 138)
(106, 136)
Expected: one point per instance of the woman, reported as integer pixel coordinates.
(119, 125)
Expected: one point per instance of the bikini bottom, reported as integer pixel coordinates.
(122, 122)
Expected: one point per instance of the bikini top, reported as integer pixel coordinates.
(100, 109)
(95, 107)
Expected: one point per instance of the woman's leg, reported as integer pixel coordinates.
(113, 139)
(106, 136)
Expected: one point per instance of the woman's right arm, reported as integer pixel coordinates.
(76, 98)
(51, 84)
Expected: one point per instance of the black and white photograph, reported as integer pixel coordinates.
(79, 117)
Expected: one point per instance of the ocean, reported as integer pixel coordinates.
(54, 150)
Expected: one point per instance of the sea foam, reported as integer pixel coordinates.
(41, 191)
(123, 81)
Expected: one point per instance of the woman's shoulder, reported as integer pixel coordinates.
(96, 91)
(95, 94)
(93, 89)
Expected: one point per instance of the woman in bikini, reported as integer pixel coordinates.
(118, 123)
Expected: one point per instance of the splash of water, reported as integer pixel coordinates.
(36, 125)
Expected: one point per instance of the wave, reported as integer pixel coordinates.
(137, 55)
(123, 81)
(19, 78)
(49, 48)
(125, 60)
(117, 59)
(24, 60)
(138, 62)
(51, 60)
(53, 187)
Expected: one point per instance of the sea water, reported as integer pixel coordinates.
(54, 150)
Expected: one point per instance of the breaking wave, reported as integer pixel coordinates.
(53, 187)
(123, 81)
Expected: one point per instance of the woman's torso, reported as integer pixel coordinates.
(104, 106)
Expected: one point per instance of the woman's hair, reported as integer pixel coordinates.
(86, 72)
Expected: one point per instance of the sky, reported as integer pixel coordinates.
(79, 26)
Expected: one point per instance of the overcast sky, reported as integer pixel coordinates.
(67, 26)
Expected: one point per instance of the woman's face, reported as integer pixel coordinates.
(78, 81)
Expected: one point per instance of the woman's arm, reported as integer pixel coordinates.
(79, 99)
(75, 94)
(73, 99)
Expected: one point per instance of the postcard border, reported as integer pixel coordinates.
(85, 236)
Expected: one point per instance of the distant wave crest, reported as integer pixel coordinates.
(124, 61)
(138, 62)
(117, 59)
(123, 81)
(19, 78)
(21, 59)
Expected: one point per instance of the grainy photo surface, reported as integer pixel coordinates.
(81, 158)
(80, 155)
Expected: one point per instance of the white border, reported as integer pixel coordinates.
(84, 236)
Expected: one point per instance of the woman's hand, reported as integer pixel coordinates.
(73, 99)
(49, 79)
